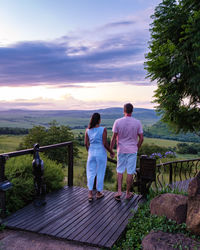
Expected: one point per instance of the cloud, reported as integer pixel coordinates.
(75, 86)
(118, 24)
(67, 103)
(106, 57)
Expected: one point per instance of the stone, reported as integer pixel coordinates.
(168, 241)
(173, 206)
(193, 207)
(194, 186)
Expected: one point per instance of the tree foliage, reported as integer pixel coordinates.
(54, 134)
(149, 149)
(162, 130)
(184, 148)
(13, 131)
(174, 62)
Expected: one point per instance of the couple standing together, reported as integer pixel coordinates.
(128, 134)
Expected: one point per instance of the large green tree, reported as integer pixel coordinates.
(174, 62)
(54, 134)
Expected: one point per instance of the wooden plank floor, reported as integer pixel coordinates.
(69, 215)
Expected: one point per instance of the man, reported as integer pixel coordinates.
(128, 133)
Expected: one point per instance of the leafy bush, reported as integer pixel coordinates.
(54, 134)
(184, 148)
(143, 222)
(13, 131)
(161, 154)
(80, 139)
(18, 171)
(149, 149)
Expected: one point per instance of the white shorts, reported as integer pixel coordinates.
(126, 161)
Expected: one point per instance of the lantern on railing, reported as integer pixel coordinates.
(38, 172)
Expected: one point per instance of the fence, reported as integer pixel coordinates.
(176, 171)
(170, 173)
(6, 156)
(166, 173)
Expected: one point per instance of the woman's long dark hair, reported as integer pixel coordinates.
(94, 120)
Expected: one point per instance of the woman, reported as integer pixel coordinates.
(96, 145)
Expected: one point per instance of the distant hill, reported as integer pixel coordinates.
(72, 118)
(18, 121)
(161, 130)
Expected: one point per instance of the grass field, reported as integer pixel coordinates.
(9, 143)
(161, 142)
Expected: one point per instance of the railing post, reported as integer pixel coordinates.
(70, 165)
(2, 193)
(170, 173)
(147, 174)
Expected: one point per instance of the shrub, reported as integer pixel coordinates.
(148, 149)
(18, 171)
(184, 148)
(143, 222)
(161, 154)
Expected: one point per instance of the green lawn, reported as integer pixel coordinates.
(9, 143)
(161, 142)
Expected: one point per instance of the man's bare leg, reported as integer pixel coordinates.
(119, 182)
(129, 181)
(119, 185)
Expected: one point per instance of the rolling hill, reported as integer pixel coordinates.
(72, 118)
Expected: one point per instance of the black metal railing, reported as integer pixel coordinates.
(173, 172)
(5, 156)
(176, 171)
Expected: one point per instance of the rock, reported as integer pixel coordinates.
(193, 210)
(194, 186)
(167, 241)
(193, 215)
(173, 206)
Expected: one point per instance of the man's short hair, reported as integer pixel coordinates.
(128, 108)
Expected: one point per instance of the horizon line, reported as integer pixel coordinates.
(19, 109)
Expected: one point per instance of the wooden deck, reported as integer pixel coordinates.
(70, 216)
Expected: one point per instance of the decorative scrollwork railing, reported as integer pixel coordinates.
(175, 172)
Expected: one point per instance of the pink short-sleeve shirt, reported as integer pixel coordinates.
(127, 129)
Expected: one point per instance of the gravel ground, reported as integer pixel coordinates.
(20, 240)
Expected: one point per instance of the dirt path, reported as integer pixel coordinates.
(19, 240)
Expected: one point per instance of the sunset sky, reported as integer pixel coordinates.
(74, 54)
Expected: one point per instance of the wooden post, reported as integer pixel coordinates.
(70, 165)
(2, 193)
(170, 173)
(147, 174)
